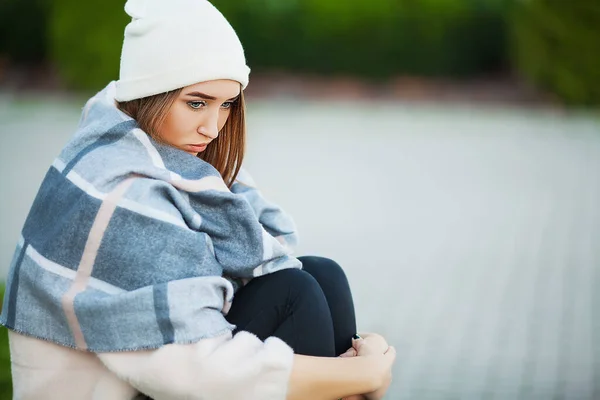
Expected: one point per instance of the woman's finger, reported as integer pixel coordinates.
(391, 351)
(349, 353)
(357, 341)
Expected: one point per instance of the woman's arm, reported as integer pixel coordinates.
(244, 368)
(322, 378)
(219, 368)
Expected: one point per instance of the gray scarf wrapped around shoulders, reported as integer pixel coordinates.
(131, 244)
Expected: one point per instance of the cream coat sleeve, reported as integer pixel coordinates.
(221, 368)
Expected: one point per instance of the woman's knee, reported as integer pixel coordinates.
(323, 269)
(305, 298)
(297, 282)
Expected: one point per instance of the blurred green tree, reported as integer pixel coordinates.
(85, 40)
(375, 39)
(23, 27)
(556, 45)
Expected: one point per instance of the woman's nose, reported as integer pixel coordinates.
(209, 125)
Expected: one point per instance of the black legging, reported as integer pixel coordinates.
(310, 309)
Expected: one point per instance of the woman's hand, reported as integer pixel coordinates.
(376, 345)
(371, 345)
(325, 378)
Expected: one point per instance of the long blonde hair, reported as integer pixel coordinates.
(225, 154)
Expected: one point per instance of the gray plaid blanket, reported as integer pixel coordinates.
(131, 244)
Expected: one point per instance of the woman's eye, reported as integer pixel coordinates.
(197, 104)
(227, 104)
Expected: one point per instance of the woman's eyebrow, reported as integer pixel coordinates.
(208, 97)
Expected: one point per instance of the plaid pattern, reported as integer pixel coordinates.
(131, 244)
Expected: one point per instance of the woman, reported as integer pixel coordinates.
(144, 228)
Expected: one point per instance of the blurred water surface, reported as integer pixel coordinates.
(470, 235)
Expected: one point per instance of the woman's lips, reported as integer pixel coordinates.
(198, 147)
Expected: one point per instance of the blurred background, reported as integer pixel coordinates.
(445, 152)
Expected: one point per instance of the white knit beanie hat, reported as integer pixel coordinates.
(170, 44)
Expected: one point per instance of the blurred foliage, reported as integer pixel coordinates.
(23, 40)
(5, 376)
(85, 40)
(374, 39)
(557, 46)
(550, 42)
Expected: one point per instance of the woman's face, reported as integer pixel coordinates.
(198, 115)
